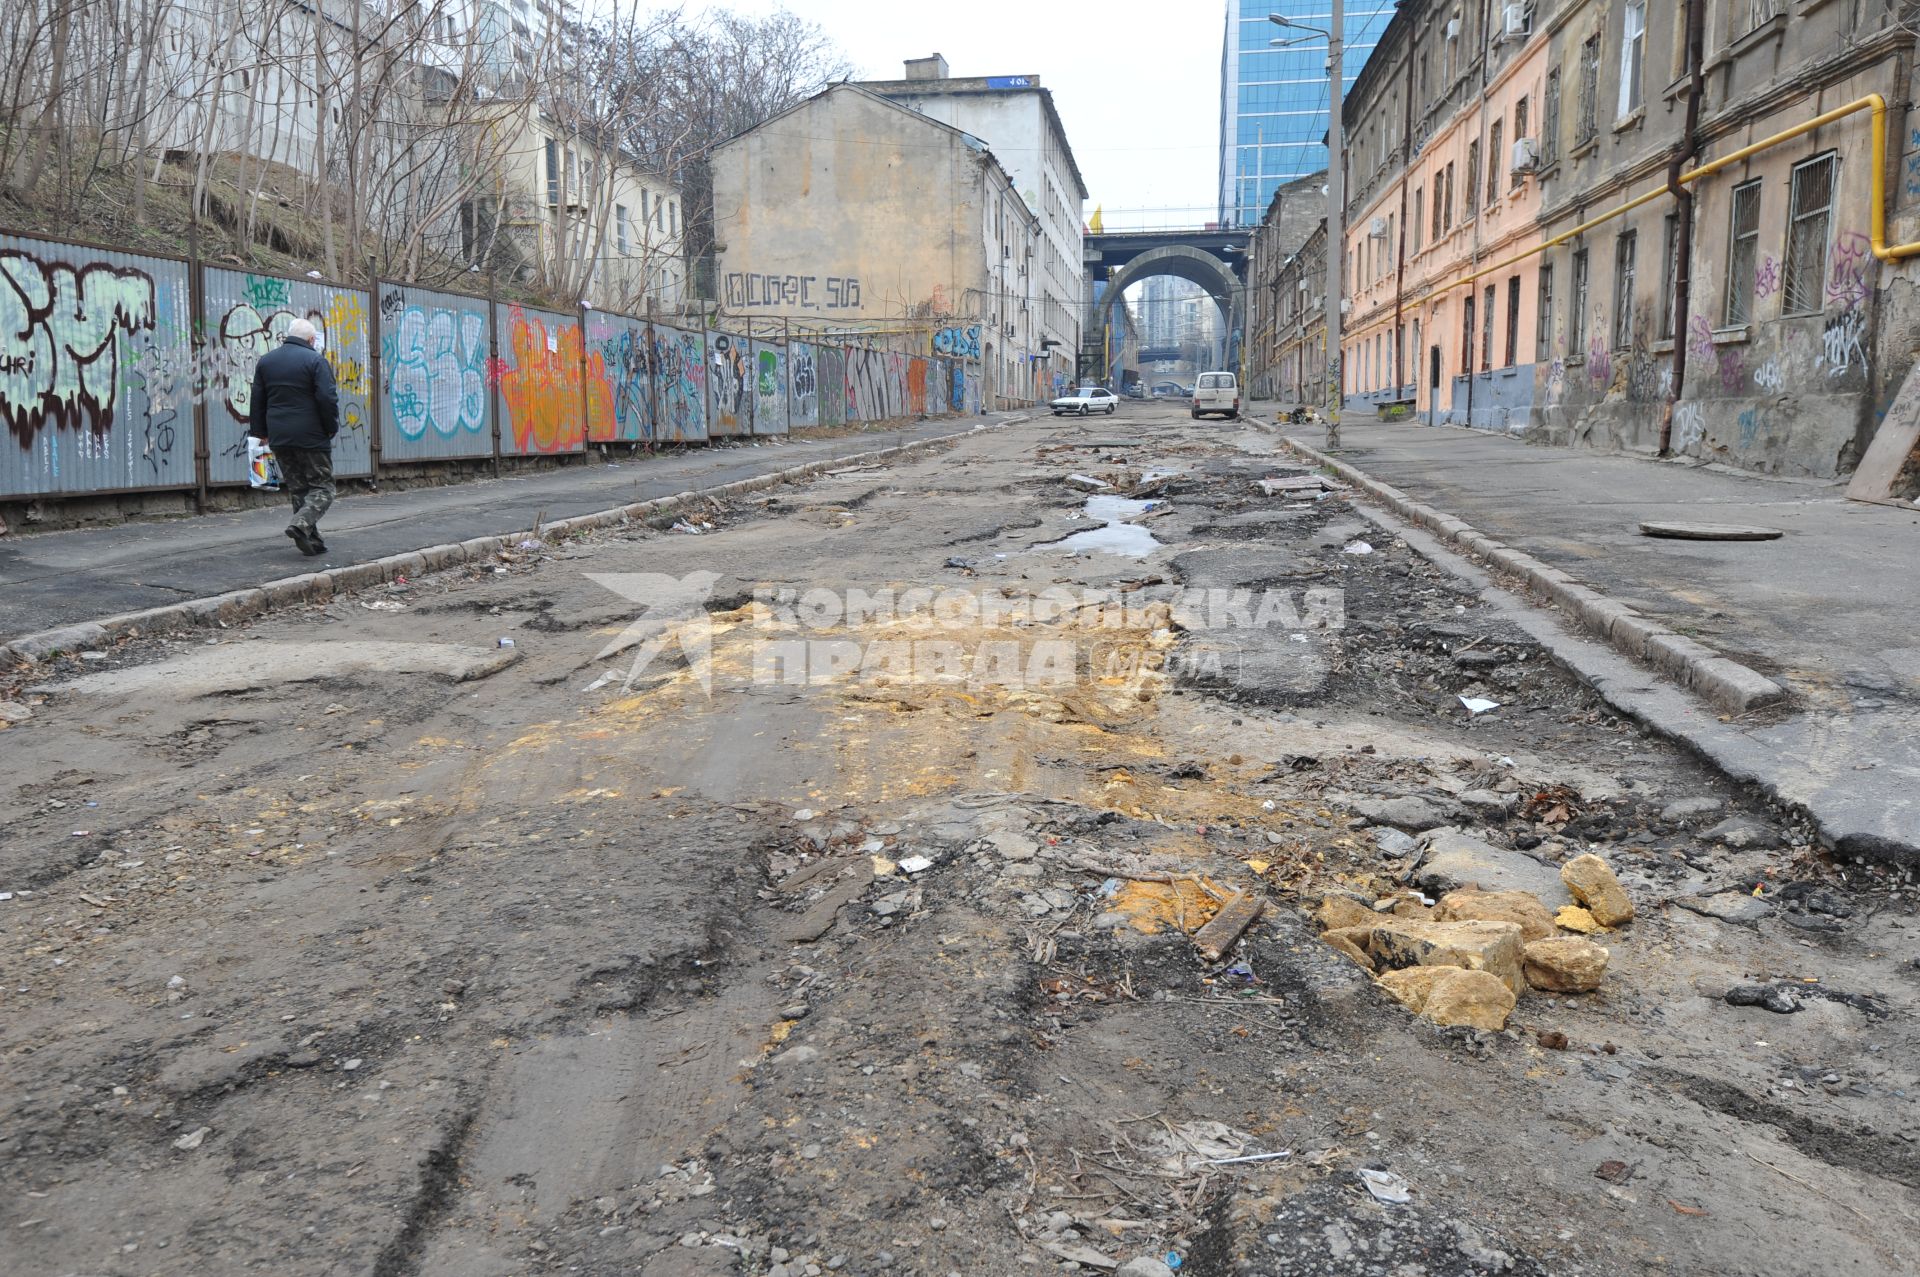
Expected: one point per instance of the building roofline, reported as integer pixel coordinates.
(948, 88)
(966, 139)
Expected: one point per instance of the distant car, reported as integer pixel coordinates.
(1085, 401)
(1135, 392)
(1216, 392)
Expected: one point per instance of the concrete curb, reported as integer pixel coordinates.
(318, 587)
(1727, 684)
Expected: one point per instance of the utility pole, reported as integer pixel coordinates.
(1336, 216)
(1336, 200)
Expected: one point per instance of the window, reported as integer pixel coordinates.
(1577, 312)
(1419, 215)
(1633, 56)
(1393, 251)
(1589, 91)
(1424, 80)
(1625, 247)
(553, 173)
(1520, 122)
(1449, 212)
(620, 228)
(1439, 199)
(1466, 336)
(1756, 14)
(673, 218)
(643, 206)
(1493, 162)
(1486, 331)
(1743, 255)
(1513, 321)
(1543, 317)
(1471, 195)
(1808, 230)
(1550, 120)
(1669, 273)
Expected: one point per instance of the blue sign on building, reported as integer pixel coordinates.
(1010, 81)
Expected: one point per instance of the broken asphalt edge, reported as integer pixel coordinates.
(1728, 685)
(247, 603)
(1656, 705)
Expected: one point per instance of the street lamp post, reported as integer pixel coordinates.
(1336, 204)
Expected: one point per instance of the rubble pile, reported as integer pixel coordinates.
(1465, 959)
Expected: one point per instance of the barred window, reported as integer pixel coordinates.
(1743, 251)
(1543, 317)
(1809, 228)
(1625, 249)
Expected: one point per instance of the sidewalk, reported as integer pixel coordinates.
(1829, 610)
(61, 578)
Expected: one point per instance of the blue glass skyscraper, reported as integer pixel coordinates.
(1273, 102)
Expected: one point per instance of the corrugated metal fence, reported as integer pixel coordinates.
(124, 372)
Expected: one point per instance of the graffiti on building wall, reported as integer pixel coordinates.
(1766, 277)
(1689, 424)
(1769, 376)
(1849, 272)
(1749, 423)
(1556, 381)
(1733, 371)
(66, 335)
(680, 371)
(540, 384)
(727, 383)
(746, 290)
(436, 362)
(964, 343)
(1599, 362)
(1699, 336)
(1843, 342)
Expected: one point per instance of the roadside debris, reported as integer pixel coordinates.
(1708, 531)
(1477, 705)
(1593, 885)
(1219, 935)
(1385, 1186)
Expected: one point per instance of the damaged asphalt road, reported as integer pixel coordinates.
(835, 936)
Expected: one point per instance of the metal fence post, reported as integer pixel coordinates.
(197, 366)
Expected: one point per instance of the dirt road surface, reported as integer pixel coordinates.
(741, 917)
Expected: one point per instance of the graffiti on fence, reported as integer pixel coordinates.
(960, 401)
(267, 293)
(833, 386)
(727, 383)
(625, 357)
(541, 384)
(66, 333)
(246, 333)
(961, 342)
(769, 389)
(436, 369)
(805, 375)
(679, 365)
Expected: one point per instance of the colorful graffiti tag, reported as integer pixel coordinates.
(436, 371)
(769, 389)
(65, 334)
(727, 382)
(963, 343)
(804, 386)
(541, 386)
(680, 373)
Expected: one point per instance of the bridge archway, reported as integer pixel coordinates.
(1210, 271)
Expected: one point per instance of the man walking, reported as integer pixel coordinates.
(297, 411)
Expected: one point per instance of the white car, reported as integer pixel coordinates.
(1085, 401)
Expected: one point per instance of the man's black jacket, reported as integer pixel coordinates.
(294, 402)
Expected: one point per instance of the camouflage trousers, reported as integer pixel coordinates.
(308, 474)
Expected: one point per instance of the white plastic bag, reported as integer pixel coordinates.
(262, 470)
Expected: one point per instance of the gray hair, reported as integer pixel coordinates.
(302, 329)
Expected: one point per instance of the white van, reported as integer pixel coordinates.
(1216, 392)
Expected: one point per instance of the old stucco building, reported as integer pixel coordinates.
(1493, 280)
(854, 213)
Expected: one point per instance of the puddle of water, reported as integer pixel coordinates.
(1114, 509)
(1112, 538)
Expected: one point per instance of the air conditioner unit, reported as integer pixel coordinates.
(1377, 228)
(1453, 28)
(1526, 155)
(1519, 19)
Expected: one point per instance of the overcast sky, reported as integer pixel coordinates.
(1137, 85)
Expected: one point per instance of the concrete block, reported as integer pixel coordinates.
(407, 565)
(1630, 632)
(1601, 615)
(1674, 653)
(154, 620)
(230, 608)
(65, 638)
(1733, 686)
(440, 557)
(478, 548)
(357, 576)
